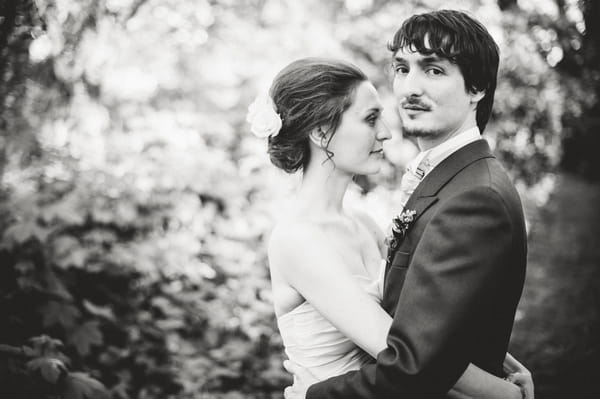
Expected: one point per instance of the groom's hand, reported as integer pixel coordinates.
(303, 379)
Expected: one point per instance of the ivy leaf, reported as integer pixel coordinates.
(82, 386)
(51, 369)
(54, 313)
(85, 336)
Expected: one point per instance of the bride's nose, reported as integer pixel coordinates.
(383, 131)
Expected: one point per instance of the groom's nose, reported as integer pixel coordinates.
(409, 84)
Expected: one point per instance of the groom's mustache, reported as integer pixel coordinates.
(415, 103)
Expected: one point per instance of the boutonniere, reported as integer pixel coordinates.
(400, 225)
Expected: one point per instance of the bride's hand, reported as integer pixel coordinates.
(519, 375)
(303, 379)
(524, 381)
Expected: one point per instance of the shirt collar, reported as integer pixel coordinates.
(434, 156)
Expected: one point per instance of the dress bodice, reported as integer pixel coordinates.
(312, 342)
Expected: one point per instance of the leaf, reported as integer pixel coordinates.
(54, 313)
(68, 251)
(56, 286)
(66, 211)
(27, 283)
(21, 232)
(51, 369)
(82, 386)
(25, 266)
(170, 324)
(102, 311)
(85, 336)
(43, 345)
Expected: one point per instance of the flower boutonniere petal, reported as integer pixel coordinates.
(400, 225)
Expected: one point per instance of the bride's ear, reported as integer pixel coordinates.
(318, 137)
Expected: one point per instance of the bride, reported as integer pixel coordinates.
(323, 117)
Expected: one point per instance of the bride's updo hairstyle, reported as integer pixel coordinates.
(309, 93)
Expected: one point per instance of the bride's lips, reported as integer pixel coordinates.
(379, 151)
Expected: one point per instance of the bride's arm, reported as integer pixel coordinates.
(477, 383)
(302, 256)
(308, 264)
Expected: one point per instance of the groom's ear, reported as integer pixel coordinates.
(476, 95)
(318, 136)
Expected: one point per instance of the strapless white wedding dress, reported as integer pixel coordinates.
(312, 342)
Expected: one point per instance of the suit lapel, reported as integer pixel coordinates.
(425, 194)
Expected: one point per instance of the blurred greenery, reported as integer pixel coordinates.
(135, 205)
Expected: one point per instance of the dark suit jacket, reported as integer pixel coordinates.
(452, 285)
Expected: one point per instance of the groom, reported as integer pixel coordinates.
(455, 272)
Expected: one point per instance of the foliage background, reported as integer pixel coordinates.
(135, 205)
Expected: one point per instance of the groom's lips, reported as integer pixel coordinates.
(414, 104)
(415, 107)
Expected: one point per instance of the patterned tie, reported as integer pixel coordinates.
(408, 184)
(411, 179)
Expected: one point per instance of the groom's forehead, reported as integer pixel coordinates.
(429, 44)
(429, 41)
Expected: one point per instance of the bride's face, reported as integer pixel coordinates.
(357, 144)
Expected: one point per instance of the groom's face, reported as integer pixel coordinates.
(432, 98)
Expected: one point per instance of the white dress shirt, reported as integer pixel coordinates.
(434, 156)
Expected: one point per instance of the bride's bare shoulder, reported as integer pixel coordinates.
(291, 232)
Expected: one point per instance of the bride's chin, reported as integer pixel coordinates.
(373, 170)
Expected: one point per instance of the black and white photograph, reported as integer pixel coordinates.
(299, 199)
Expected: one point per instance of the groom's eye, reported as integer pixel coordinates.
(400, 68)
(434, 71)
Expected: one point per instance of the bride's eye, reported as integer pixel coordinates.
(371, 120)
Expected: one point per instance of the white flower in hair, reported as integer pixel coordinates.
(264, 120)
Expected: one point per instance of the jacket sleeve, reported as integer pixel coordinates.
(449, 282)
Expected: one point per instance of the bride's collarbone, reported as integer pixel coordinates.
(348, 237)
(360, 255)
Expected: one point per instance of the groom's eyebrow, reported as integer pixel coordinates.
(425, 60)
(433, 58)
(399, 59)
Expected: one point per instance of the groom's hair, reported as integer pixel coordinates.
(462, 40)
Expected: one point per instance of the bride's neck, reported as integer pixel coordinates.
(322, 190)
